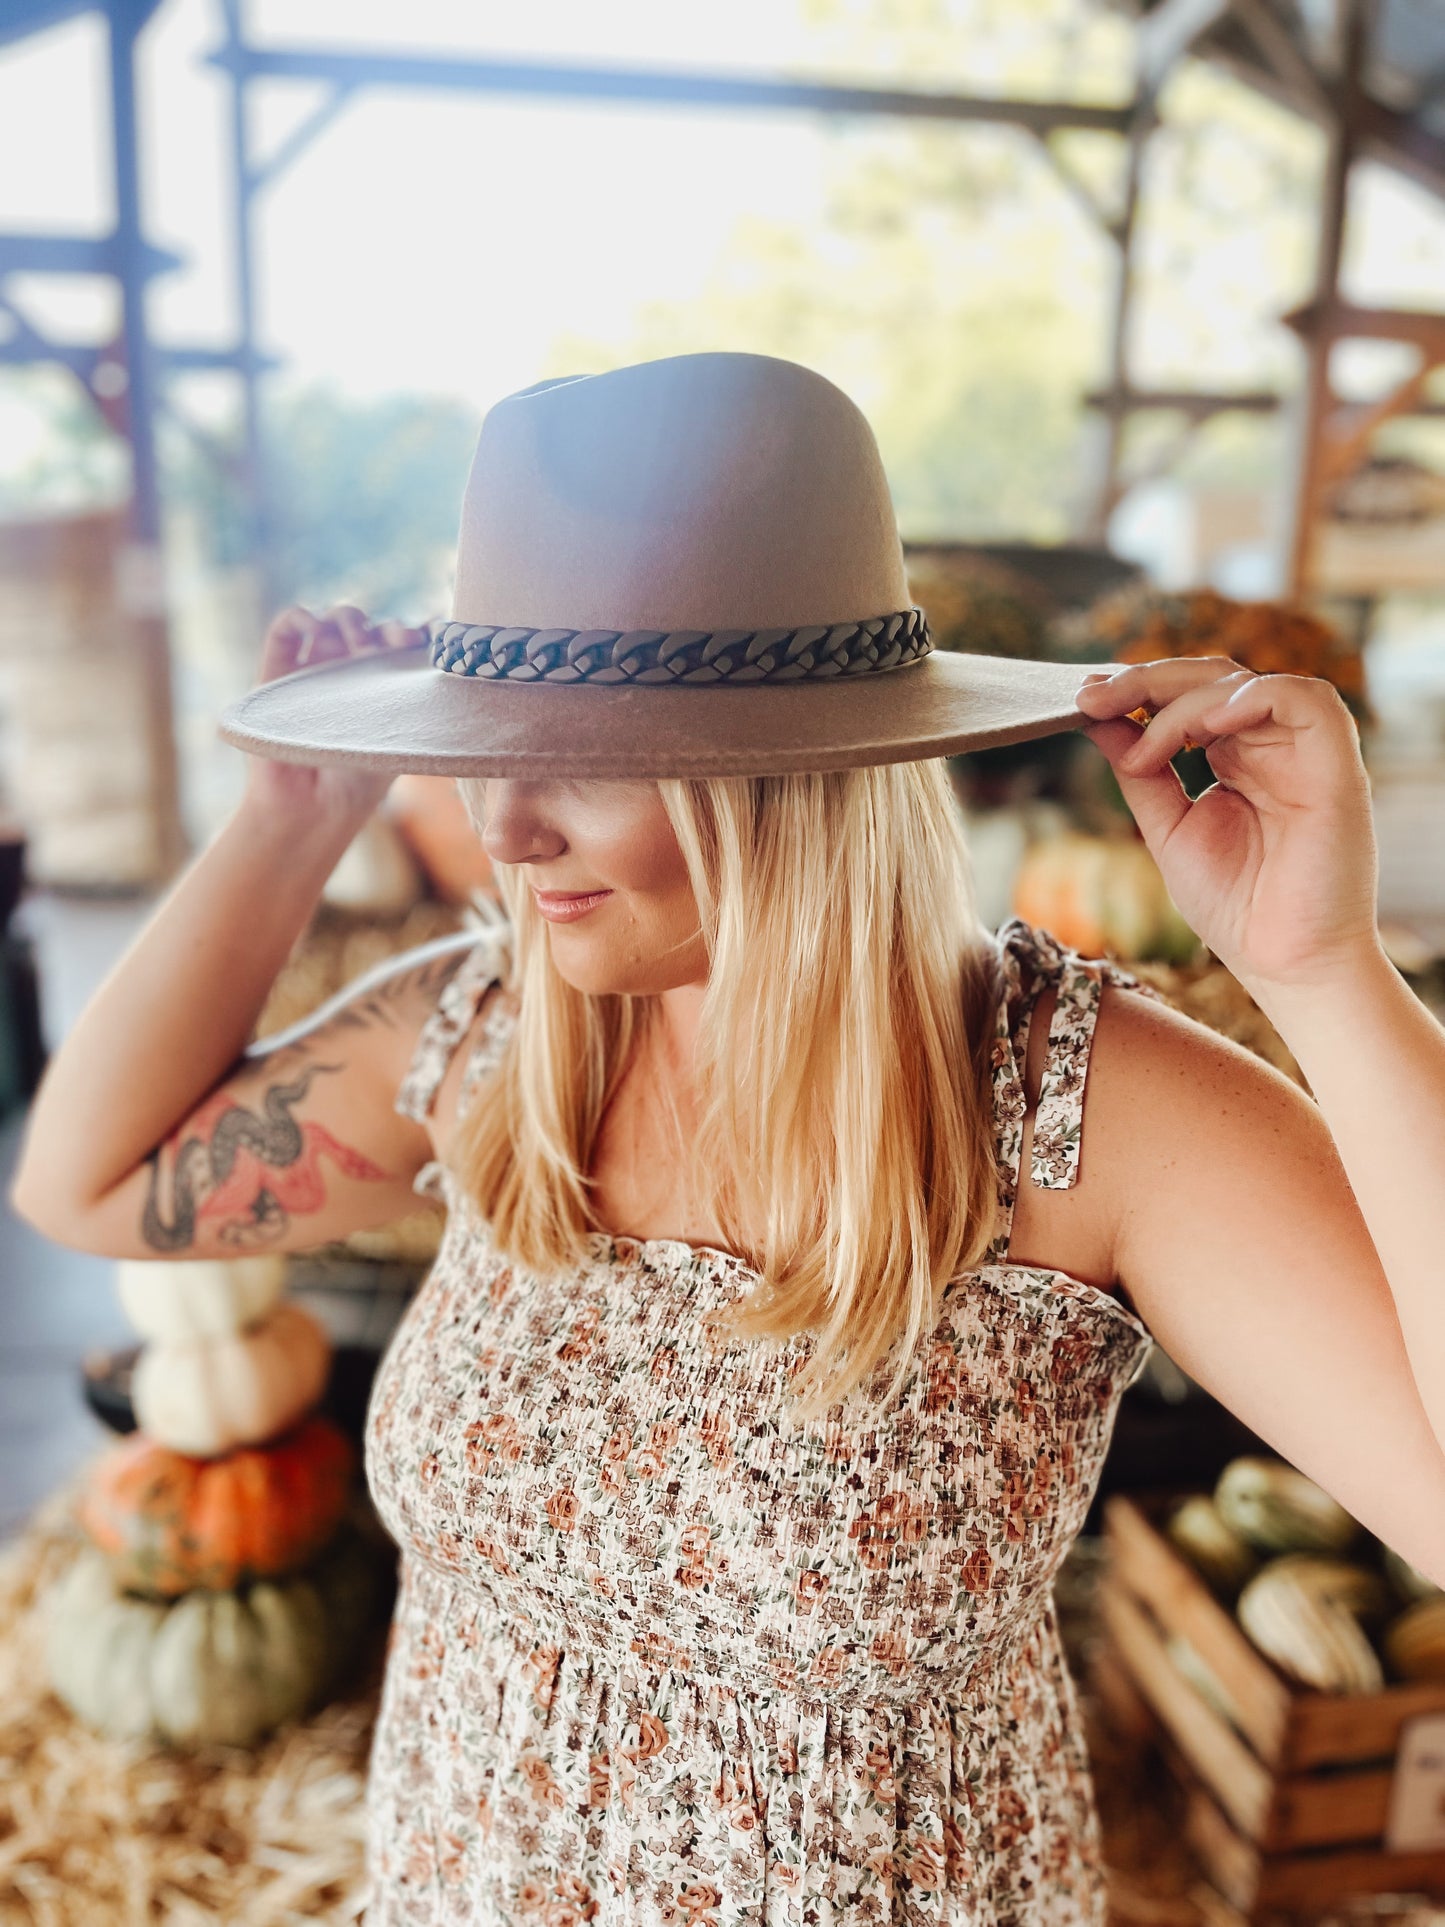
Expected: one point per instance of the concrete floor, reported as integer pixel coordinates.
(55, 1304)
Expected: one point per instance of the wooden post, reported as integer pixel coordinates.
(1314, 403)
(140, 568)
(255, 486)
(1114, 402)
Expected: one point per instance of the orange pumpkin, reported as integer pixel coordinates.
(1102, 895)
(170, 1523)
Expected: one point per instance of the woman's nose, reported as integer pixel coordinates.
(515, 826)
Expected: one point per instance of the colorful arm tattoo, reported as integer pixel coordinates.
(247, 1174)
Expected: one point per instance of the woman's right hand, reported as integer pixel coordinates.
(297, 639)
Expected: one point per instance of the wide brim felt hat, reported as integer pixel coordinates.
(686, 567)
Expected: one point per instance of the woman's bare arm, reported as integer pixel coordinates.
(1239, 1238)
(150, 1133)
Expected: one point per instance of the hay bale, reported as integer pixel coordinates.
(96, 1831)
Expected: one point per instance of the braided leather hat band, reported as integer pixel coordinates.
(681, 655)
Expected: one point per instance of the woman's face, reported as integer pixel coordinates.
(614, 836)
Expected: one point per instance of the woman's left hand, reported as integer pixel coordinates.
(1274, 866)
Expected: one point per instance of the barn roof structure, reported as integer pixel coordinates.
(1371, 73)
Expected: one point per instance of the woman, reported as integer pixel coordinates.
(765, 1375)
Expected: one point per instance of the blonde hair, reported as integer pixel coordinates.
(843, 1068)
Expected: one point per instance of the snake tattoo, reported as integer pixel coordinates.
(247, 1173)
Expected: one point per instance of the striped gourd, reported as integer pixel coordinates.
(1309, 1633)
(1277, 1509)
(1360, 1589)
(1415, 1642)
(1211, 1545)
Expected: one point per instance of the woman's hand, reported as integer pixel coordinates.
(1274, 866)
(297, 639)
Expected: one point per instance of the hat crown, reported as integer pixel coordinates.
(696, 492)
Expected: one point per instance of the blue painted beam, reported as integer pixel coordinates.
(21, 17)
(80, 254)
(299, 139)
(660, 86)
(30, 346)
(184, 361)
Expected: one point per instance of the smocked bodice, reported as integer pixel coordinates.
(666, 1653)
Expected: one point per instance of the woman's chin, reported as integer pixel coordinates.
(590, 966)
(597, 968)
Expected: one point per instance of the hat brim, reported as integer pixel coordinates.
(395, 712)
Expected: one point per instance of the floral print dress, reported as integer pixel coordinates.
(659, 1659)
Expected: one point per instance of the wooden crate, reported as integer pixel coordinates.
(1288, 1800)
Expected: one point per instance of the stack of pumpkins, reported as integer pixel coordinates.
(226, 1579)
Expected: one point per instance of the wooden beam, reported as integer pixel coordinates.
(1105, 489)
(1284, 54)
(1346, 321)
(81, 254)
(1167, 33)
(1197, 403)
(1203, 404)
(1402, 141)
(1077, 186)
(1396, 139)
(1349, 431)
(299, 139)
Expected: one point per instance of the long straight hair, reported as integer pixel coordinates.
(843, 1068)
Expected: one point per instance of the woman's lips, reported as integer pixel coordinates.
(559, 908)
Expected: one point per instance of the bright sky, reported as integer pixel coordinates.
(425, 240)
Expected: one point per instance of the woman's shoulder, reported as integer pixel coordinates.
(1085, 1009)
(1035, 963)
(451, 993)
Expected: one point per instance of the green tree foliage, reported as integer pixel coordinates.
(958, 288)
(71, 462)
(364, 496)
(949, 290)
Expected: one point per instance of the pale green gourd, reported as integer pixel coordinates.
(229, 1668)
(222, 1668)
(1212, 1546)
(1308, 1631)
(1277, 1509)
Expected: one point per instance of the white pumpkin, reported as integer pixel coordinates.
(177, 1303)
(376, 872)
(211, 1395)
